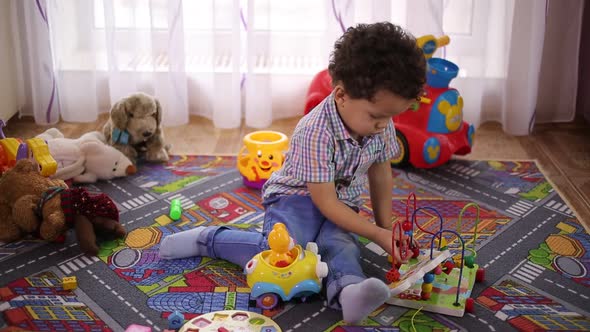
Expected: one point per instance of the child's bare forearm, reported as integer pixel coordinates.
(380, 185)
(346, 218)
(325, 199)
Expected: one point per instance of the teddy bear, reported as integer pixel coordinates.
(86, 159)
(135, 128)
(31, 203)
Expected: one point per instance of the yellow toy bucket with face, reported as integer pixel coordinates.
(261, 155)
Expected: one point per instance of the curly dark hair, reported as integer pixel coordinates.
(371, 57)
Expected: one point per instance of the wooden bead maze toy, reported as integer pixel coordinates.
(446, 279)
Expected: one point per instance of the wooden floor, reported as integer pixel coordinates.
(562, 150)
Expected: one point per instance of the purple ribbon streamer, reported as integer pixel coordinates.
(243, 19)
(48, 112)
(338, 17)
(53, 88)
(42, 12)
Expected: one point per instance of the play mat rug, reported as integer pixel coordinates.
(534, 251)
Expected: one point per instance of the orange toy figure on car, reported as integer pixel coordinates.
(281, 246)
(292, 272)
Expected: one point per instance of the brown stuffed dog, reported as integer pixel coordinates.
(30, 202)
(135, 128)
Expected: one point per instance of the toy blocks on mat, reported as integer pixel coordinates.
(69, 283)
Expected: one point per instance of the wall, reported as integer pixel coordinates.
(8, 104)
(583, 101)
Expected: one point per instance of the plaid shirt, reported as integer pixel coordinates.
(322, 150)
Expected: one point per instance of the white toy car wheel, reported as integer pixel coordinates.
(321, 270)
(312, 246)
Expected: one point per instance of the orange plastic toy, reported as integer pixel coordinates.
(261, 155)
(281, 246)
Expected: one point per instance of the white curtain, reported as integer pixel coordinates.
(252, 60)
(36, 81)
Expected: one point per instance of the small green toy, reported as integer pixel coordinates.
(175, 209)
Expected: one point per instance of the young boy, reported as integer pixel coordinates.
(377, 72)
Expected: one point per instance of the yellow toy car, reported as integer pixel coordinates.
(13, 149)
(40, 152)
(300, 278)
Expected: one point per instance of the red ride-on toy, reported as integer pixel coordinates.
(431, 131)
(320, 88)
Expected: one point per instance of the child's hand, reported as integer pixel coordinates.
(402, 252)
(383, 239)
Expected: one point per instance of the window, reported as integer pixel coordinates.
(284, 36)
(479, 51)
(458, 17)
(129, 14)
(279, 16)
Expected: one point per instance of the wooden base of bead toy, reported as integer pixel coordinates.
(442, 297)
(414, 271)
(231, 320)
(437, 283)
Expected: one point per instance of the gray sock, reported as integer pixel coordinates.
(359, 300)
(183, 244)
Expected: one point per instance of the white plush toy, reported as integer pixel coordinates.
(86, 159)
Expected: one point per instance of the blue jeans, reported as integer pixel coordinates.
(338, 248)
